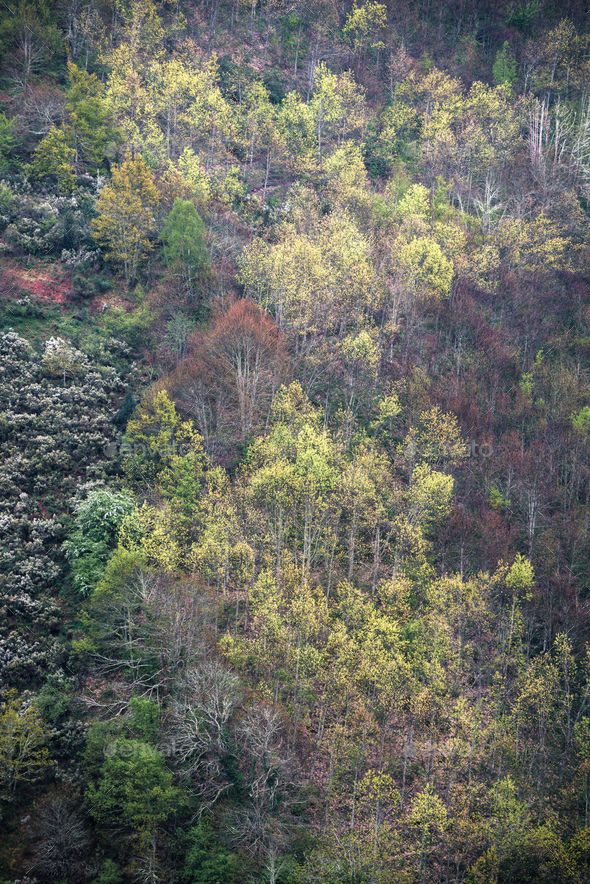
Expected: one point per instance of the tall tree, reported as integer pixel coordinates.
(185, 246)
(89, 130)
(126, 220)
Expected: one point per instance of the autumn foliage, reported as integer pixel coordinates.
(235, 368)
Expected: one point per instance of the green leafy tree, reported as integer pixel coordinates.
(504, 68)
(210, 115)
(425, 270)
(89, 130)
(146, 718)
(294, 475)
(6, 141)
(134, 794)
(315, 281)
(126, 222)
(205, 860)
(127, 408)
(338, 105)
(158, 443)
(429, 497)
(365, 27)
(24, 756)
(135, 788)
(185, 244)
(98, 520)
(295, 124)
(53, 156)
(110, 873)
(360, 356)
(429, 817)
(194, 175)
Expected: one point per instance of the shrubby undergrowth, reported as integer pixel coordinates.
(57, 421)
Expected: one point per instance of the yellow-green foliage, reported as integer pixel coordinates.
(24, 756)
(425, 270)
(125, 215)
(314, 280)
(54, 156)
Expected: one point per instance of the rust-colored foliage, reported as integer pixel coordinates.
(234, 370)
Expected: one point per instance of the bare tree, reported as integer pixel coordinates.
(200, 727)
(152, 630)
(61, 841)
(271, 765)
(40, 107)
(183, 615)
(126, 637)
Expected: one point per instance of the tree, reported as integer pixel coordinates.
(229, 381)
(436, 440)
(365, 26)
(360, 356)
(429, 817)
(205, 861)
(60, 359)
(429, 497)
(208, 698)
(86, 32)
(61, 840)
(125, 219)
(338, 104)
(249, 354)
(185, 245)
(365, 484)
(294, 475)
(259, 824)
(295, 124)
(135, 793)
(508, 827)
(89, 131)
(53, 156)
(133, 106)
(425, 270)
(378, 798)
(259, 117)
(6, 141)
(533, 247)
(98, 520)
(194, 176)
(550, 58)
(347, 180)
(210, 117)
(173, 97)
(31, 31)
(504, 69)
(24, 756)
(516, 585)
(319, 279)
(160, 447)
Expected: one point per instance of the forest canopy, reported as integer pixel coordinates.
(295, 441)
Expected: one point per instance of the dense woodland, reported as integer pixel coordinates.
(295, 441)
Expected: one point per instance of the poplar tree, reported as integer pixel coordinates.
(185, 244)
